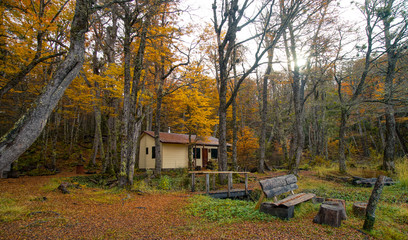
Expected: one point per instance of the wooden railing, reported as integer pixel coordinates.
(207, 180)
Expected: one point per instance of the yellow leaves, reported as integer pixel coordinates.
(247, 144)
(192, 110)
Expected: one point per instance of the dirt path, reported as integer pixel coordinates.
(94, 214)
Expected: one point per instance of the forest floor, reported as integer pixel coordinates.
(39, 211)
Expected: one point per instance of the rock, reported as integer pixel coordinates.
(63, 187)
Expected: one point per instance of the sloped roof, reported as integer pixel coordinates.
(183, 139)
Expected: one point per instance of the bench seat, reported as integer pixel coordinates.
(273, 187)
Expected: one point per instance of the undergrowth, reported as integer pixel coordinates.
(9, 210)
(224, 210)
(402, 172)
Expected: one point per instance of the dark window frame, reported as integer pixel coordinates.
(154, 152)
(196, 153)
(214, 153)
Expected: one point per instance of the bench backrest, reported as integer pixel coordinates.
(278, 185)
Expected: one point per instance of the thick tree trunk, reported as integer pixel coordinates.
(372, 203)
(30, 125)
(222, 149)
(390, 139)
(130, 126)
(126, 114)
(234, 136)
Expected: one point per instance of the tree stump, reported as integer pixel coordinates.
(343, 202)
(80, 169)
(331, 213)
(359, 209)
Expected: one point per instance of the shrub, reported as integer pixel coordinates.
(401, 168)
(224, 210)
(164, 183)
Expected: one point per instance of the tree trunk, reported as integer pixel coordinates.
(372, 203)
(30, 125)
(264, 112)
(342, 140)
(126, 114)
(390, 139)
(158, 160)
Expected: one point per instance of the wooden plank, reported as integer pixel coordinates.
(260, 201)
(207, 183)
(295, 199)
(215, 172)
(280, 181)
(279, 190)
(229, 183)
(193, 182)
(233, 193)
(246, 183)
(213, 181)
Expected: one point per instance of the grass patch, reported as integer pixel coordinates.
(104, 197)
(225, 210)
(402, 172)
(10, 211)
(51, 185)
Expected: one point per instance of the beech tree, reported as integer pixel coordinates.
(228, 21)
(368, 9)
(394, 19)
(37, 21)
(30, 125)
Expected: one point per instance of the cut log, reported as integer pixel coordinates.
(331, 213)
(359, 209)
(369, 182)
(318, 200)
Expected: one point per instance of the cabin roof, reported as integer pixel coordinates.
(183, 139)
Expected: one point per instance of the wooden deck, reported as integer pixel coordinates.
(234, 193)
(229, 193)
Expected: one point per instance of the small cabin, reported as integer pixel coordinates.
(174, 150)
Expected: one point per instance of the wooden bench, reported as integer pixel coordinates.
(273, 187)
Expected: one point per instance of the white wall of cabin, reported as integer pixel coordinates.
(175, 156)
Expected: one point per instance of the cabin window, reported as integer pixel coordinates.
(147, 151)
(197, 153)
(153, 152)
(214, 153)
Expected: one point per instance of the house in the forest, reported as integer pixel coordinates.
(174, 150)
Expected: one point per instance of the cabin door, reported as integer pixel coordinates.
(205, 157)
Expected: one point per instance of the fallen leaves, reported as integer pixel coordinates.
(90, 213)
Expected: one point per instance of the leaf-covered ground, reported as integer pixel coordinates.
(40, 212)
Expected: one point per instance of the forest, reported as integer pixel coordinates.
(286, 83)
(314, 88)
